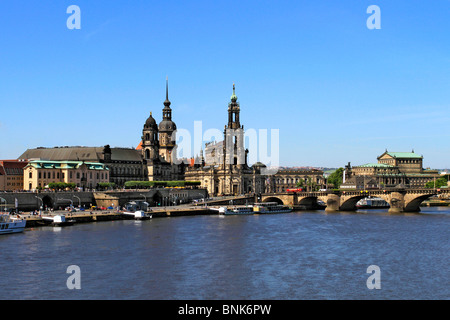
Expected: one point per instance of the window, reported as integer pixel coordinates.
(30, 175)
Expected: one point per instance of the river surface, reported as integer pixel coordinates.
(294, 256)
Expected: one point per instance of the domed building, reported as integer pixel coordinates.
(157, 146)
(224, 169)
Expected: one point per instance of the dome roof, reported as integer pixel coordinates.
(167, 125)
(151, 122)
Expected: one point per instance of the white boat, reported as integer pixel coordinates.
(11, 225)
(270, 207)
(236, 210)
(372, 203)
(58, 220)
(139, 214)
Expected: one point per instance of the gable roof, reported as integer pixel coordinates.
(87, 154)
(402, 155)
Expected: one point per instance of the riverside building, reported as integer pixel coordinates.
(39, 173)
(394, 169)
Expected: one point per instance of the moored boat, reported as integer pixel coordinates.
(139, 214)
(372, 203)
(11, 225)
(271, 207)
(58, 220)
(236, 210)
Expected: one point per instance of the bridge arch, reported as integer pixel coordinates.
(308, 202)
(413, 204)
(349, 203)
(273, 199)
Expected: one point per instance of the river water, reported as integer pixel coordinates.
(294, 256)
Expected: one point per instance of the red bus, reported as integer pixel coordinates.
(295, 190)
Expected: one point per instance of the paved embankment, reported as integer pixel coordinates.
(34, 220)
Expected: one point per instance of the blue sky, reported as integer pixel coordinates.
(337, 91)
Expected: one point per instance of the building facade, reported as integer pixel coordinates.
(124, 164)
(307, 179)
(394, 169)
(87, 175)
(11, 175)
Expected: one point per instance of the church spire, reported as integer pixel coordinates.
(167, 102)
(233, 96)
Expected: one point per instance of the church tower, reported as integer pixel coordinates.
(233, 148)
(150, 142)
(166, 129)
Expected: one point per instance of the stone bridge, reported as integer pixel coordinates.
(400, 200)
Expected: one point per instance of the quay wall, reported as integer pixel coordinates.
(29, 201)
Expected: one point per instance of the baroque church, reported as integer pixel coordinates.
(225, 170)
(158, 146)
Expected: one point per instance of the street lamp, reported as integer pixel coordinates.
(5, 202)
(79, 201)
(71, 202)
(42, 207)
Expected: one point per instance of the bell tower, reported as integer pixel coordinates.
(233, 112)
(234, 152)
(166, 130)
(150, 142)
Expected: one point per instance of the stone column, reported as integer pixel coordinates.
(396, 202)
(333, 203)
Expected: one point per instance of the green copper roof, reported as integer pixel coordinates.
(404, 155)
(233, 96)
(46, 164)
(375, 165)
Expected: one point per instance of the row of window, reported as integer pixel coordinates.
(127, 171)
(294, 180)
(58, 175)
(15, 178)
(409, 161)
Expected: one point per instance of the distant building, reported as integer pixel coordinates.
(394, 169)
(11, 175)
(124, 164)
(308, 179)
(40, 173)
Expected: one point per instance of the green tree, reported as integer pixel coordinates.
(439, 183)
(336, 177)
